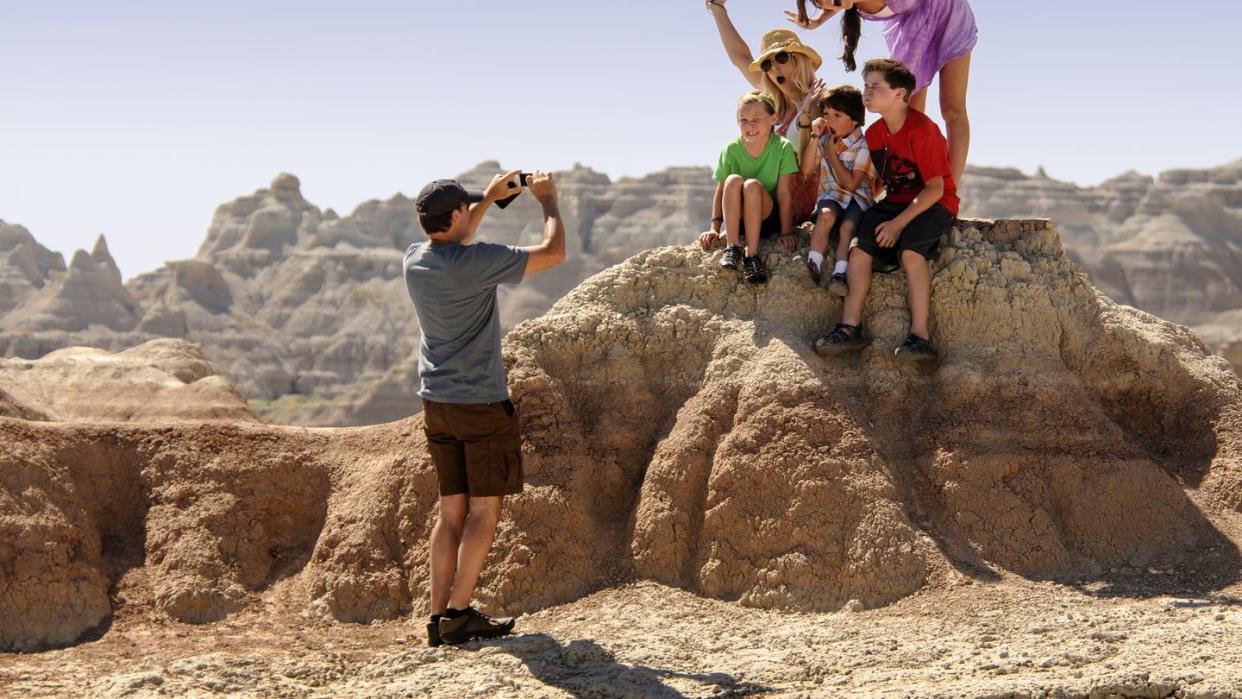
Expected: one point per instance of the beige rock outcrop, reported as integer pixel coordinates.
(678, 428)
(159, 380)
(88, 294)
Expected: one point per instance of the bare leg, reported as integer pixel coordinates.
(846, 234)
(445, 538)
(476, 542)
(858, 277)
(919, 100)
(823, 226)
(732, 204)
(756, 206)
(954, 78)
(918, 290)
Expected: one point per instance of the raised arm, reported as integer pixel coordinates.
(551, 252)
(734, 45)
(810, 159)
(496, 190)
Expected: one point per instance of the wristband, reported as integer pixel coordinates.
(718, 219)
(803, 126)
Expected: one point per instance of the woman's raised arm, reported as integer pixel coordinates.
(734, 45)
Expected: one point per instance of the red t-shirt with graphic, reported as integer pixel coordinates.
(907, 159)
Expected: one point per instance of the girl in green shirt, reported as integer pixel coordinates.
(753, 179)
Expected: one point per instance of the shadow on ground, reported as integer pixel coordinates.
(584, 668)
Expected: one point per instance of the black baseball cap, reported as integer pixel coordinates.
(442, 196)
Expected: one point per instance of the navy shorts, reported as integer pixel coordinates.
(853, 212)
(922, 235)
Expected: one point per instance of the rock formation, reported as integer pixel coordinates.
(159, 380)
(678, 428)
(88, 295)
(305, 312)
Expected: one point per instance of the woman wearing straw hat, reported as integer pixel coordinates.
(785, 71)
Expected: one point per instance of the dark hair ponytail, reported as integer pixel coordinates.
(851, 29)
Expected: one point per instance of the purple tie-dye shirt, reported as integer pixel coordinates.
(927, 34)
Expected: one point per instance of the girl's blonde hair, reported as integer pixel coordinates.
(803, 76)
(758, 97)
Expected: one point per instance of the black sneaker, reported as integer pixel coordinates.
(915, 349)
(813, 270)
(433, 634)
(837, 285)
(843, 338)
(756, 273)
(473, 625)
(731, 258)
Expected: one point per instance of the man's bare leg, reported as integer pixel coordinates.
(476, 543)
(445, 539)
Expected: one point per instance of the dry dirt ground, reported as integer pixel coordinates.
(1135, 636)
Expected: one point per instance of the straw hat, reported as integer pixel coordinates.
(785, 40)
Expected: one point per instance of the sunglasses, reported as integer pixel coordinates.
(781, 58)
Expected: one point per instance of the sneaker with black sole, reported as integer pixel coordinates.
(756, 273)
(842, 340)
(813, 270)
(433, 634)
(915, 349)
(837, 285)
(473, 625)
(732, 258)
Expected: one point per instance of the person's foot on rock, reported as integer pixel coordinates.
(843, 339)
(813, 270)
(756, 272)
(837, 285)
(471, 624)
(915, 349)
(433, 633)
(731, 258)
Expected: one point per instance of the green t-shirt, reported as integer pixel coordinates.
(776, 159)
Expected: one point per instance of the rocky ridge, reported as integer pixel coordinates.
(677, 425)
(305, 312)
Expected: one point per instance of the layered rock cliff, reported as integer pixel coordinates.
(677, 427)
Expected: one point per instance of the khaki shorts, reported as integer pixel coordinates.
(476, 447)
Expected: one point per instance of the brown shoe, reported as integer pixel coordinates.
(473, 625)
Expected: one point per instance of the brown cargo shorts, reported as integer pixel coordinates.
(476, 447)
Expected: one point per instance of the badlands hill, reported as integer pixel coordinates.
(678, 430)
(304, 310)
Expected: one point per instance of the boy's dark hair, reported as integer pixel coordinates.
(895, 73)
(846, 99)
(851, 29)
(437, 223)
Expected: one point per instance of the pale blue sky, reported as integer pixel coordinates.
(136, 119)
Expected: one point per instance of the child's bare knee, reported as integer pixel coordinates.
(859, 255)
(733, 182)
(910, 258)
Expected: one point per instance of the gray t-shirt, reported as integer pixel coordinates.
(453, 287)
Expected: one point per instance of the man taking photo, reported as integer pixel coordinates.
(472, 427)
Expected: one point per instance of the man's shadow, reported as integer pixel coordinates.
(586, 669)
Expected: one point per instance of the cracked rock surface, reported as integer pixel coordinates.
(699, 483)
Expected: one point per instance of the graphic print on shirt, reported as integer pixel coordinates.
(900, 176)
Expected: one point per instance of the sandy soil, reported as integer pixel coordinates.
(1134, 636)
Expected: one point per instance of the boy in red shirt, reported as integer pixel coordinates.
(920, 203)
